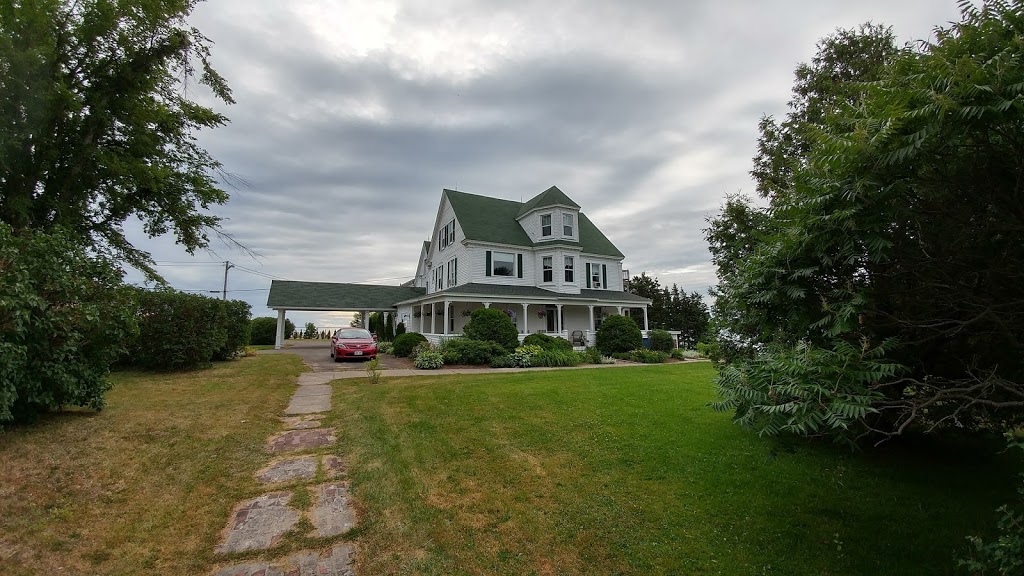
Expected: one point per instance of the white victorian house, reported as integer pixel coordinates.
(542, 262)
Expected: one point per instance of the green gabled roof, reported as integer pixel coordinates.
(550, 197)
(294, 295)
(486, 219)
(592, 241)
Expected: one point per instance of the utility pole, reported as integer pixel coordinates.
(227, 266)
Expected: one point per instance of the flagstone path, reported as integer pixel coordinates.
(261, 523)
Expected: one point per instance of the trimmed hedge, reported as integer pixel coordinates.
(618, 334)
(475, 352)
(643, 355)
(553, 358)
(661, 341)
(404, 343)
(263, 330)
(237, 329)
(492, 325)
(548, 342)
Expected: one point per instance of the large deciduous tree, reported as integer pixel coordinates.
(97, 125)
(879, 288)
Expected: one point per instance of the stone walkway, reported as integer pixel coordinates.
(261, 523)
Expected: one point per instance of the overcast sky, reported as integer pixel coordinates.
(351, 117)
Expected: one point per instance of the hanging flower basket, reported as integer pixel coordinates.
(511, 314)
(541, 314)
(416, 314)
(466, 312)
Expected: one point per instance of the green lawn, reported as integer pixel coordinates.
(627, 471)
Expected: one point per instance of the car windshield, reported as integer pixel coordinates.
(352, 334)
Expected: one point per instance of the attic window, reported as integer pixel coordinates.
(545, 225)
(567, 226)
(447, 235)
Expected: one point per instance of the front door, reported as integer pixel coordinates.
(552, 310)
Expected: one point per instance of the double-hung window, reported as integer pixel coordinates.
(548, 271)
(545, 225)
(595, 276)
(569, 275)
(447, 235)
(503, 264)
(567, 225)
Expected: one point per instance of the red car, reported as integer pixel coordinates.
(353, 343)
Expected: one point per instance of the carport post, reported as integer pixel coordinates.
(366, 319)
(279, 337)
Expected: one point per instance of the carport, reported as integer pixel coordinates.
(288, 295)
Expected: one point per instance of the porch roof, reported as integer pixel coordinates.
(293, 295)
(496, 291)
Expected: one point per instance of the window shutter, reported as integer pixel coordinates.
(456, 283)
(604, 276)
(519, 265)
(487, 265)
(588, 274)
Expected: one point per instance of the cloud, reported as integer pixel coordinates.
(352, 116)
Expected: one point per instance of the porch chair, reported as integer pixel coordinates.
(578, 339)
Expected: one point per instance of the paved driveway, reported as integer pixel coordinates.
(317, 355)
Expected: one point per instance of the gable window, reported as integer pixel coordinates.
(567, 225)
(548, 271)
(545, 225)
(453, 272)
(596, 276)
(569, 276)
(503, 264)
(447, 236)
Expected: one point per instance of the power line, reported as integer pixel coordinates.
(258, 273)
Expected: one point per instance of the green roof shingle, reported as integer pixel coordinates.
(550, 197)
(294, 295)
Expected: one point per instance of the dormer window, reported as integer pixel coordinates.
(567, 225)
(447, 236)
(545, 225)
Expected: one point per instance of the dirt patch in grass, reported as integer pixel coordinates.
(145, 485)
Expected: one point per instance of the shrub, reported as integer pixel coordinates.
(1005, 554)
(429, 360)
(594, 355)
(554, 358)
(373, 370)
(263, 330)
(465, 351)
(492, 325)
(400, 329)
(548, 342)
(178, 331)
(709, 350)
(64, 319)
(643, 355)
(661, 341)
(385, 347)
(403, 345)
(421, 348)
(618, 334)
(504, 361)
(684, 354)
(236, 326)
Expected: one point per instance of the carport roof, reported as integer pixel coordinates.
(294, 295)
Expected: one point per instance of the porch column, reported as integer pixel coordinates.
(421, 318)
(646, 327)
(432, 310)
(446, 305)
(525, 317)
(279, 335)
(619, 308)
(558, 319)
(487, 304)
(591, 317)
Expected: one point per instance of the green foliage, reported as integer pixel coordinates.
(594, 355)
(236, 329)
(64, 318)
(1005, 554)
(179, 331)
(618, 334)
(554, 358)
(400, 329)
(263, 330)
(493, 325)
(548, 342)
(474, 352)
(684, 354)
(385, 347)
(309, 332)
(429, 360)
(98, 125)
(504, 361)
(421, 348)
(404, 344)
(389, 328)
(661, 341)
(672, 309)
(643, 355)
(878, 290)
(373, 370)
(357, 320)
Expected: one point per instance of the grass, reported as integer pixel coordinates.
(146, 485)
(627, 471)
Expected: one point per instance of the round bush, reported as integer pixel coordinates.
(493, 325)
(661, 341)
(429, 360)
(404, 343)
(618, 334)
(548, 342)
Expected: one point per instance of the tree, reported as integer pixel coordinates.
(618, 334)
(648, 287)
(357, 320)
(98, 127)
(310, 331)
(389, 329)
(880, 288)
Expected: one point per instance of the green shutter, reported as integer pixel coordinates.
(519, 265)
(487, 265)
(588, 274)
(456, 272)
(604, 276)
